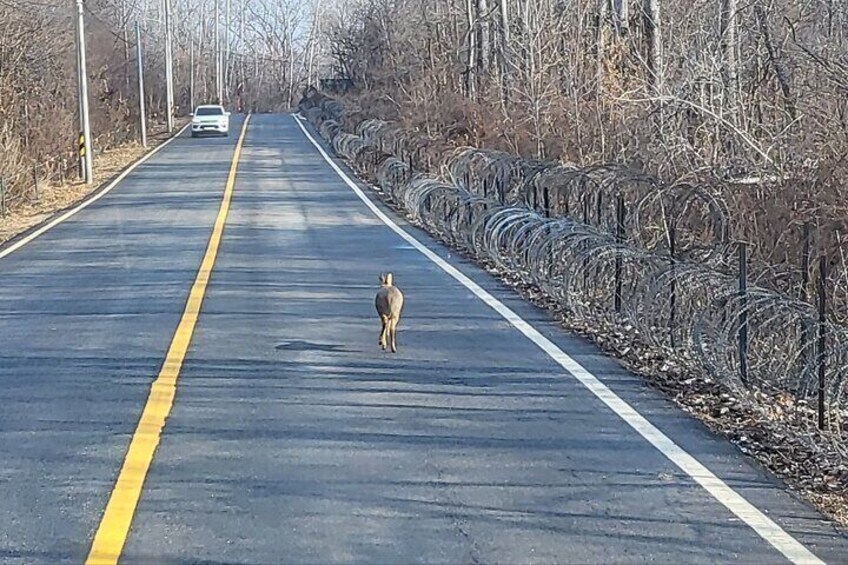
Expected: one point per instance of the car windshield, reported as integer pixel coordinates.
(209, 112)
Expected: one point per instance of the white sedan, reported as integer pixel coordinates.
(210, 119)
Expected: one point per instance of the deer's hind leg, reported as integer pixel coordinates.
(393, 333)
(382, 341)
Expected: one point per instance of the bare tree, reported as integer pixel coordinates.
(483, 44)
(729, 49)
(600, 43)
(776, 61)
(504, 51)
(653, 40)
(471, 34)
(622, 19)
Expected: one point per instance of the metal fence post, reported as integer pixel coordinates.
(3, 197)
(586, 205)
(598, 210)
(531, 198)
(672, 314)
(598, 215)
(821, 360)
(35, 180)
(805, 260)
(743, 314)
(806, 358)
(535, 199)
(619, 238)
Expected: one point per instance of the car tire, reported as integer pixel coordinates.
(193, 134)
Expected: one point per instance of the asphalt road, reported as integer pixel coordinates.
(293, 438)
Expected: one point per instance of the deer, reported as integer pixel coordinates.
(389, 301)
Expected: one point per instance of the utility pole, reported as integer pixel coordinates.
(141, 115)
(241, 73)
(82, 73)
(226, 63)
(191, 73)
(169, 70)
(80, 158)
(218, 82)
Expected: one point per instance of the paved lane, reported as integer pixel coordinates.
(293, 439)
(86, 314)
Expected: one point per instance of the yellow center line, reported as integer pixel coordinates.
(117, 519)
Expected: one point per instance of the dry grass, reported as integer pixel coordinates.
(57, 196)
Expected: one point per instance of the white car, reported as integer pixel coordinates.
(210, 119)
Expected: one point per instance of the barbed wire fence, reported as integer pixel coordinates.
(616, 247)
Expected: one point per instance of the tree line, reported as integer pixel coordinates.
(748, 101)
(265, 49)
(709, 83)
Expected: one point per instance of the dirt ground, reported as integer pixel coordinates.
(56, 196)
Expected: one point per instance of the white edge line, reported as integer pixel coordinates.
(89, 200)
(771, 532)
